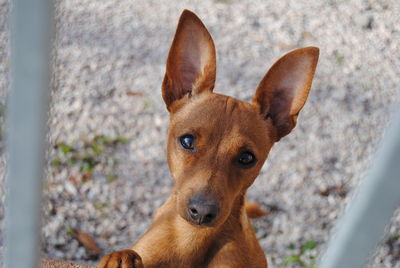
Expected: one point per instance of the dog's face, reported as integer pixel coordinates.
(218, 144)
(216, 148)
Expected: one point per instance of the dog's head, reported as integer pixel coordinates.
(218, 144)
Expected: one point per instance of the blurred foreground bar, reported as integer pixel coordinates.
(371, 209)
(31, 26)
(48, 263)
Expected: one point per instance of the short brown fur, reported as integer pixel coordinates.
(223, 130)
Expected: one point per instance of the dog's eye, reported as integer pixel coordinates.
(187, 141)
(246, 159)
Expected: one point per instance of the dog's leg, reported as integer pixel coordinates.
(121, 259)
(232, 255)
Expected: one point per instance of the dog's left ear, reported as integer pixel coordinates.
(284, 89)
(191, 61)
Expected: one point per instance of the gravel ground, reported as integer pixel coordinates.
(109, 63)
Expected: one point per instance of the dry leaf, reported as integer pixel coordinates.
(87, 241)
(74, 180)
(86, 176)
(254, 210)
(341, 190)
(325, 192)
(134, 93)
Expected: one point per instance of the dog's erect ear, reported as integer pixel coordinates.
(191, 60)
(284, 89)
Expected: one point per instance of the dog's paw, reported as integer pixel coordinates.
(121, 259)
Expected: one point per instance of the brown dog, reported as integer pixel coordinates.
(216, 148)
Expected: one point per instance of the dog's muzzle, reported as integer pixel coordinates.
(202, 210)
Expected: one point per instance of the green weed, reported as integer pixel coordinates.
(97, 152)
(300, 257)
(339, 58)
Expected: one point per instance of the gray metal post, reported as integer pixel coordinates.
(370, 211)
(26, 117)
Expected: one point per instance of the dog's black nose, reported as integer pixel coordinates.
(202, 210)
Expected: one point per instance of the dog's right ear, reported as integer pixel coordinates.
(191, 61)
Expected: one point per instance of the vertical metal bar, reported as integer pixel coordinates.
(26, 118)
(370, 211)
